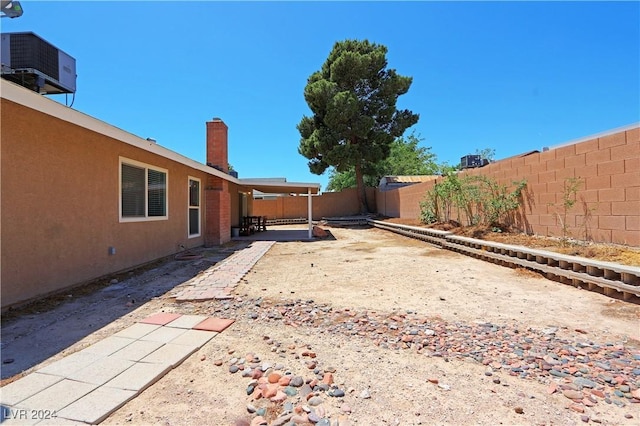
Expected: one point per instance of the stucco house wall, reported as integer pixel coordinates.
(60, 198)
(62, 180)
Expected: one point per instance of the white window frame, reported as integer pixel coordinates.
(189, 206)
(146, 167)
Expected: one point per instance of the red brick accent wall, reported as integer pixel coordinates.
(607, 207)
(217, 229)
(217, 212)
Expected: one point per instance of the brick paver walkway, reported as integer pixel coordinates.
(218, 281)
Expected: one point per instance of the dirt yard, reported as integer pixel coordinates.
(616, 253)
(378, 329)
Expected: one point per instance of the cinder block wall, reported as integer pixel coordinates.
(608, 197)
(329, 204)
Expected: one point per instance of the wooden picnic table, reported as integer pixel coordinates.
(252, 224)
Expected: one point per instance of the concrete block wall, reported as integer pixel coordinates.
(403, 202)
(607, 207)
(329, 204)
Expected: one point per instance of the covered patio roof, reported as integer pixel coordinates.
(282, 187)
(278, 187)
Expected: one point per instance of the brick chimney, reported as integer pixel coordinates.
(217, 214)
(217, 145)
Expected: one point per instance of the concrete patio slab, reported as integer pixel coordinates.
(137, 350)
(187, 321)
(29, 385)
(139, 377)
(57, 396)
(101, 371)
(108, 346)
(137, 330)
(170, 353)
(97, 405)
(71, 364)
(164, 334)
(194, 338)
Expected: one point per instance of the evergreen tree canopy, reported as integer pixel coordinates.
(353, 100)
(406, 158)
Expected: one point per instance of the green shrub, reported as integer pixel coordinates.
(480, 200)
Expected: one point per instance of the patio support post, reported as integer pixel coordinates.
(310, 212)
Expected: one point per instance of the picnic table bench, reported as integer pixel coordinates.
(252, 224)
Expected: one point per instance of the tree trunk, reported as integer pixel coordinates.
(361, 190)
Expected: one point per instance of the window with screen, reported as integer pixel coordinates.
(143, 191)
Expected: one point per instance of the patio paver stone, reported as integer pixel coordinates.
(57, 396)
(194, 338)
(186, 321)
(18, 391)
(137, 330)
(162, 318)
(173, 354)
(101, 371)
(97, 405)
(137, 350)
(139, 377)
(164, 334)
(108, 346)
(214, 324)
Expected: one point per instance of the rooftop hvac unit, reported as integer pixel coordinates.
(469, 161)
(32, 62)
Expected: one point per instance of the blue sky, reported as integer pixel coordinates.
(510, 76)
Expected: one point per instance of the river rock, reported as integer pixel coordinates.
(572, 394)
(282, 420)
(296, 381)
(290, 391)
(314, 400)
(337, 393)
(584, 383)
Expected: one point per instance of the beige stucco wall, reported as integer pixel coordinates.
(60, 206)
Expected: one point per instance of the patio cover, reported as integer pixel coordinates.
(278, 187)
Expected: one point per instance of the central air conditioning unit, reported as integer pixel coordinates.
(471, 161)
(32, 62)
